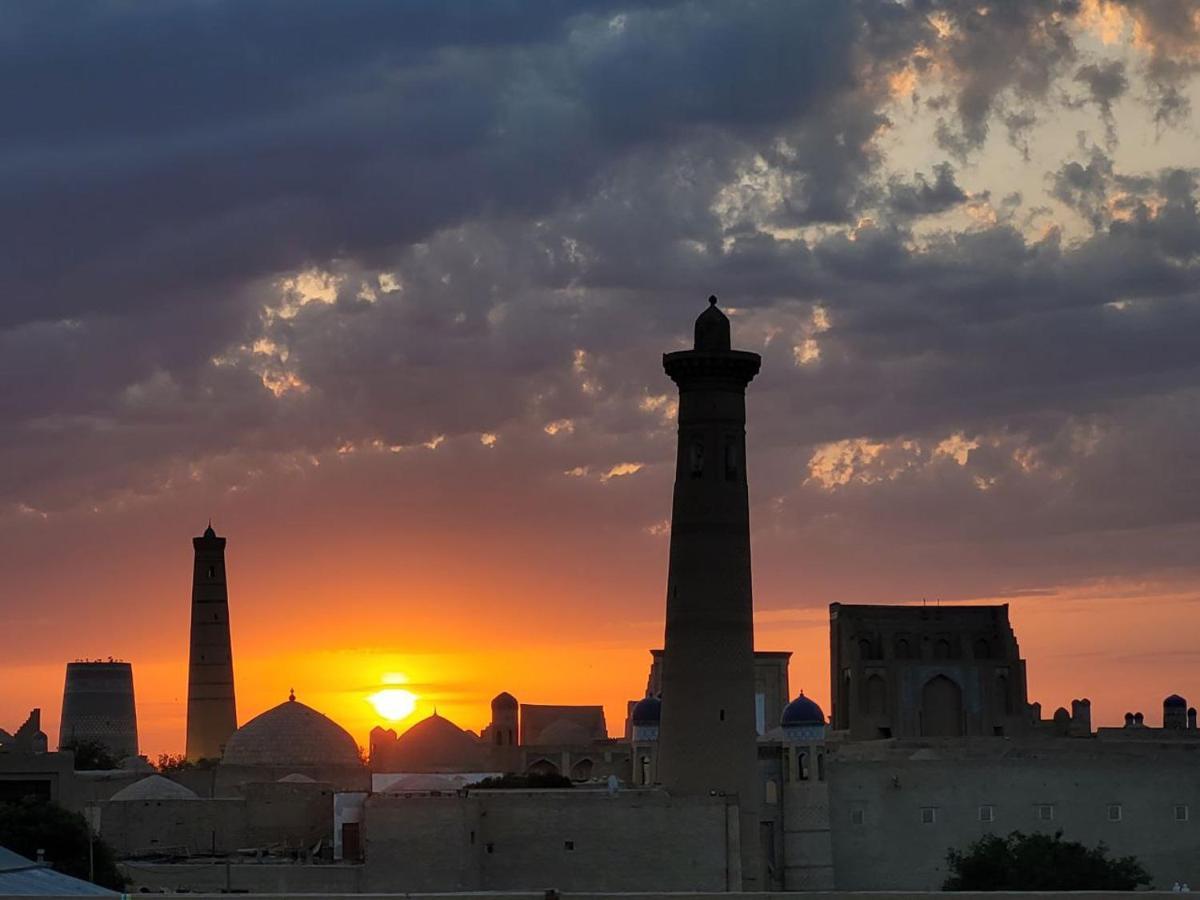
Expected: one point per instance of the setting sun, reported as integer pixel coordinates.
(394, 704)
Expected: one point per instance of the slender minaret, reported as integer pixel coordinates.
(211, 713)
(707, 738)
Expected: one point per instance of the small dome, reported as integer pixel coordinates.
(1061, 715)
(504, 700)
(297, 778)
(802, 711)
(647, 711)
(712, 329)
(208, 532)
(154, 787)
(291, 734)
(1175, 700)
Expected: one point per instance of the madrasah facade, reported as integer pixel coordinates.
(720, 779)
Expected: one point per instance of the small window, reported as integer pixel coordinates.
(722, 715)
(491, 848)
(212, 571)
(928, 815)
(697, 458)
(568, 845)
(1114, 812)
(987, 813)
(1045, 812)
(857, 817)
(1181, 812)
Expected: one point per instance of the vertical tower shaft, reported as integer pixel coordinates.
(211, 712)
(707, 736)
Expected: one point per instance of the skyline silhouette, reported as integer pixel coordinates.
(384, 294)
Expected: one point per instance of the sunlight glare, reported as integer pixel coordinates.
(394, 704)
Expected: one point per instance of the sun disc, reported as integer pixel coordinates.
(394, 703)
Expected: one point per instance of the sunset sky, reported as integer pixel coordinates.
(383, 287)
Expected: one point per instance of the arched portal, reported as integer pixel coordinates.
(875, 696)
(543, 767)
(941, 708)
(582, 770)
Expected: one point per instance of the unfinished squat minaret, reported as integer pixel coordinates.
(707, 741)
(211, 712)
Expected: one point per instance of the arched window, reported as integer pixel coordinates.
(697, 457)
(803, 766)
(772, 792)
(820, 766)
(983, 650)
(903, 649)
(941, 650)
(865, 650)
(582, 770)
(645, 770)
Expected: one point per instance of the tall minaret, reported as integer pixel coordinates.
(707, 738)
(211, 712)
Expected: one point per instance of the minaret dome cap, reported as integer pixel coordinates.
(712, 328)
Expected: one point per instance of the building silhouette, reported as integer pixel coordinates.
(98, 706)
(211, 710)
(707, 733)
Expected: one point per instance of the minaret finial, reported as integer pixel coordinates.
(712, 299)
(291, 695)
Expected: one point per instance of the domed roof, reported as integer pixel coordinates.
(802, 711)
(565, 732)
(647, 711)
(291, 734)
(504, 700)
(1175, 700)
(154, 787)
(712, 329)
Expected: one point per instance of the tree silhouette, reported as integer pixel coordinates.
(91, 755)
(1040, 862)
(30, 825)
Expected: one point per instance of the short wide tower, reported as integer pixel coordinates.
(707, 741)
(211, 711)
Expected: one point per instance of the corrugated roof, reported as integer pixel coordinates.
(21, 877)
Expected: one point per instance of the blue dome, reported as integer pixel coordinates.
(1174, 700)
(802, 711)
(646, 711)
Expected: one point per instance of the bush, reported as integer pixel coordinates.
(1040, 862)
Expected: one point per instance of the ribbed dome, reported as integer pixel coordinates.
(647, 711)
(154, 787)
(802, 711)
(291, 734)
(504, 700)
(1175, 700)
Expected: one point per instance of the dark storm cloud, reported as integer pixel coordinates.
(921, 197)
(519, 207)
